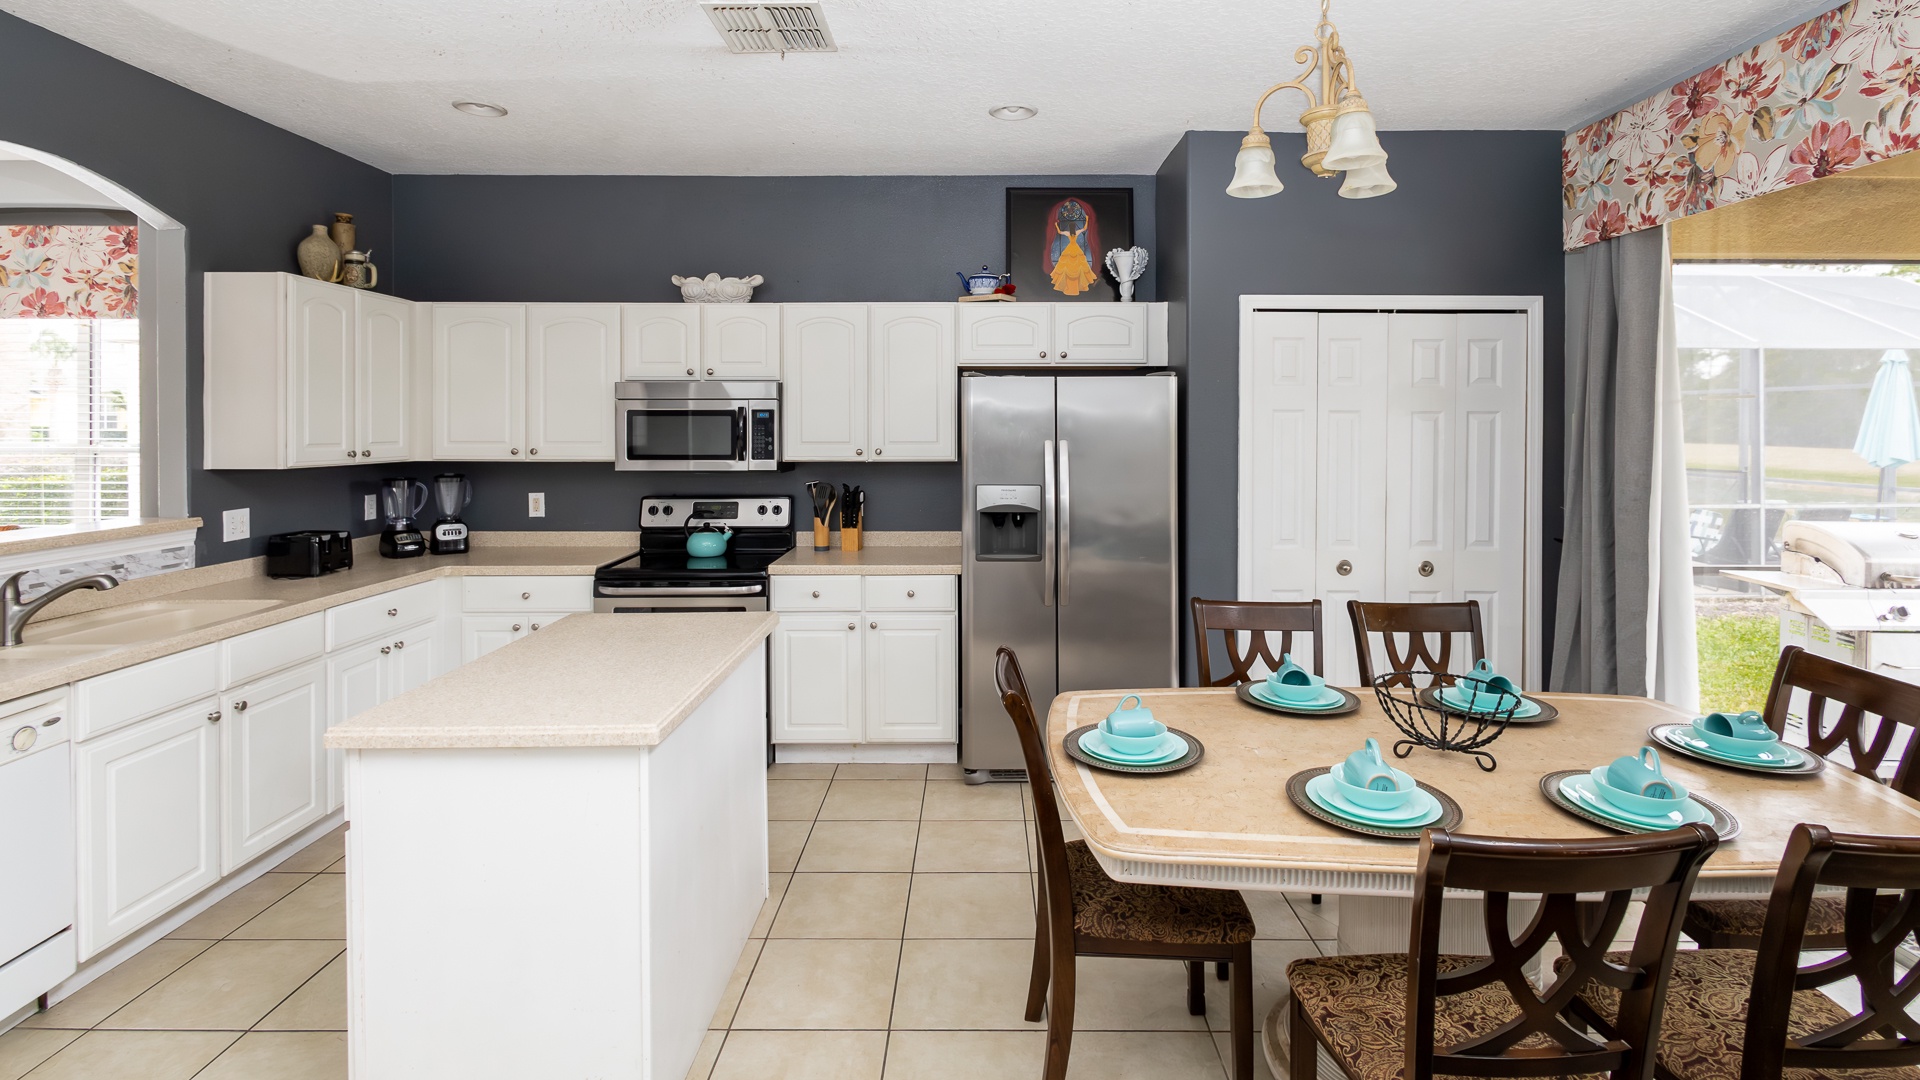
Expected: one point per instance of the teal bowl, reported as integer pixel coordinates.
(1733, 745)
(1370, 798)
(1635, 803)
(1135, 746)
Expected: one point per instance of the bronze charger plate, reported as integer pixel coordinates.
(1450, 816)
(1071, 744)
(1430, 697)
(1663, 736)
(1723, 821)
(1245, 693)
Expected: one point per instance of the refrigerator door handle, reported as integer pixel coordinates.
(1047, 512)
(1066, 525)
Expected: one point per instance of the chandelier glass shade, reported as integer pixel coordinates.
(1341, 136)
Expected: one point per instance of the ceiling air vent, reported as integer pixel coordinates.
(772, 28)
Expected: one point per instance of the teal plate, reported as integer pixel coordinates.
(1424, 807)
(1450, 816)
(1071, 744)
(1095, 744)
(1348, 703)
(1675, 737)
(1590, 808)
(1543, 710)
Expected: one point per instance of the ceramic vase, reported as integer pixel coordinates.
(319, 256)
(343, 232)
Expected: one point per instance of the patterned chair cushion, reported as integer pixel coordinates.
(1826, 916)
(1706, 1018)
(1105, 908)
(1358, 1004)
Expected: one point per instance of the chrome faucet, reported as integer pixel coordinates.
(14, 614)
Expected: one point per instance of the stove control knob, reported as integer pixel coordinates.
(668, 511)
(777, 509)
(652, 510)
(24, 739)
(763, 509)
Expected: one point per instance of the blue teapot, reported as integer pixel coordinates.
(708, 541)
(982, 283)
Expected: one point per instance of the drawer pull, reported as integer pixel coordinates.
(873, 626)
(852, 626)
(399, 644)
(240, 706)
(515, 451)
(909, 594)
(213, 717)
(526, 596)
(816, 594)
(689, 371)
(533, 451)
(386, 650)
(50, 721)
(353, 453)
(393, 612)
(1063, 354)
(535, 626)
(516, 628)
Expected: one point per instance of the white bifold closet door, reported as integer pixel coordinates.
(1389, 464)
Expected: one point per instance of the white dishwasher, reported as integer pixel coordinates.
(36, 849)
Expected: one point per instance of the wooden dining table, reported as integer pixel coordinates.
(1227, 822)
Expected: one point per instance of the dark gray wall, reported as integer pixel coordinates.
(1477, 212)
(620, 238)
(246, 192)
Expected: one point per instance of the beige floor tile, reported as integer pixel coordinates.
(971, 847)
(955, 800)
(337, 868)
(282, 1055)
(1223, 1045)
(843, 906)
(776, 891)
(100, 998)
(1321, 920)
(1125, 994)
(814, 984)
(1273, 917)
(784, 841)
(949, 984)
(971, 906)
(23, 1048)
(795, 800)
(319, 1005)
(1270, 960)
(232, 911)
(136, 1055)
(229, 987)
(861, 770)
(736, 984)
(964, 1055)
(860, 846)
(798, 770)
(318, 855)
(873, 800)
(802, 1055)
(1146, 1055)
(946, 770)
(703, 1059)
(315, 910)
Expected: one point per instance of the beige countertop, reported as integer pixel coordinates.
(588, 680)
(26, 670)
(53, 537)
(871, 560)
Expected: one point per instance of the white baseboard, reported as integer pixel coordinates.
(874, 753)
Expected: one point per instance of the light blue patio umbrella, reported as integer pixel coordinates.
(1890, 429)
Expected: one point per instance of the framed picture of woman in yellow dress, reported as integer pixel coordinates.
(1058, 238)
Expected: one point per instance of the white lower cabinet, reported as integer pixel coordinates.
(884, 670)
(148, 801)
(912, 664)
(482, 634)
(275, 778)
(816, 689)
(367, 675)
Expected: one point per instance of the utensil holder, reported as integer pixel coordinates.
(1467, 731)
(822, 539)
(850, 538)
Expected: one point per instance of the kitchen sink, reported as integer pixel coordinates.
(133, 623)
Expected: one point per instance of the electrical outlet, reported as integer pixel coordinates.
(536, 504)
(236, 524)
(371, 510)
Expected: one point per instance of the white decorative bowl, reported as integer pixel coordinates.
(714, 289)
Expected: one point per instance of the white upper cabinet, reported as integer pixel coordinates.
(1100, 333)
(383, 359)
(660, 341)
(479, 381)
(825, 391)
(1002, 333)
(573, 360)
(320, 372)
(740, 341)
(912, 383)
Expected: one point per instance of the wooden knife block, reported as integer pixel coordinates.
(850, 538)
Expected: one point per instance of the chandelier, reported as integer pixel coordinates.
(1340, 131)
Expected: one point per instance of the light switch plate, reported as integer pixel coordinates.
(536, 504)
(372, 509)
(236, 524)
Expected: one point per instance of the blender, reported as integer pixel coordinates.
(402, 498)
(451, 494)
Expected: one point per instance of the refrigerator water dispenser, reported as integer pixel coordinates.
(1009, 526)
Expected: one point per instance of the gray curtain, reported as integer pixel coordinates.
(1615, 296)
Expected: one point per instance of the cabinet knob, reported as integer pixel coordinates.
(526, 596)
(393, 612)
(535, 626)
(366, 453)
(240, 706)
(873, 626)
(1063, 354)
(1043, 354)
(709, 371)
(852, 626)
(386, 650)
(353, 453)
(877, 451)
(515, 451)
(689, 371)
(516, 628)
(399, 644)
(533, 451)
(909, 594)
(1426, 569)
(859, 453)
(816, 594)
(213, 717)
(1343, 567)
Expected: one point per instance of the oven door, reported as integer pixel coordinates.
(639, 599)
(682, 436)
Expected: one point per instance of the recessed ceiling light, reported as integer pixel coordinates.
(480, 108)
(1013, 112)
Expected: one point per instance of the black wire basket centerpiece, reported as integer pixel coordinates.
(1467, 729)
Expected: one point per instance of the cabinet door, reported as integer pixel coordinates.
(816, 687)
(413, 661)
(481, 634)
(1100, 333)
(1490, 480)
(740, 341)
(913, 383)
(573, 360)
(356, 682)
(660, 341)
(383, 379)
(824, 356)
(275, 780)
(320, 399)
(1000, 333)
(479, 381)
(1350, 499)
(913, 690)
(148, 798)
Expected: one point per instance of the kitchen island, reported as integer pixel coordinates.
(557, 852)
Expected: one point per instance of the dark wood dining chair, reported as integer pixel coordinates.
(1871, 709)
(1388, 1016)
(1083, 912)
(1416, 622)
(1743, 1014)
(1257, 619)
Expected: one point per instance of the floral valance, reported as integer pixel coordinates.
(69, 271)
(1836, 92)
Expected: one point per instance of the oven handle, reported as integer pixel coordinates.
(718, 590)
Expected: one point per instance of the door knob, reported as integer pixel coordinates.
(1043, 355)
(535, 626)
(515, 450)
(516, 628)
(689, 371)
(240, 706)
(1426, 569)
(1343, 567)
(366, 453)
(859, 453)
(1063, 354)
(873, 626)
(353, 453)
(876, 451)
(532, 450)
(386, 650)
(851, 626)
(399, 644)
(709, 371)
(213, 717)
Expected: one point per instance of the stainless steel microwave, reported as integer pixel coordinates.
(697, 426)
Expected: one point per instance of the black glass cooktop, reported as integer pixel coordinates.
(663, 557)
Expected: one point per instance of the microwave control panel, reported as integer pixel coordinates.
(761, 434)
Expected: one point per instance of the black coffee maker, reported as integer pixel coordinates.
(402, 499)
(451, 494)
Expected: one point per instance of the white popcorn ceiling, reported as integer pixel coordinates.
(646, 87)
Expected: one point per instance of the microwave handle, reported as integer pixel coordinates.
(739, 434)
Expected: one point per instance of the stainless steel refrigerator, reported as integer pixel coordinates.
(1070, 536)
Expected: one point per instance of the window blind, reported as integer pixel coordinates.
(69, 420)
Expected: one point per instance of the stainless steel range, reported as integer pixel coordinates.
(662, 576)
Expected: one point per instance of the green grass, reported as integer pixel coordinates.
(1737, 654)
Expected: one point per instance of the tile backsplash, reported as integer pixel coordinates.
(128, 567)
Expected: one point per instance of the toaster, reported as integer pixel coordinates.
(309, 554)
